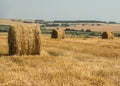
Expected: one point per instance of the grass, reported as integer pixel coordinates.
(4, 28)
(67, 62)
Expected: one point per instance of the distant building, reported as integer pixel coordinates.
(28, 21)
(39, 21)
(16, 20)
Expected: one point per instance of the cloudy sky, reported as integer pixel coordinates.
(106, 10)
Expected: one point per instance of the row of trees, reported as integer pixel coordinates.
(55, 25)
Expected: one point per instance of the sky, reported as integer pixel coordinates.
(49, 10)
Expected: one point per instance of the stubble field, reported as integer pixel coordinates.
(67, 62)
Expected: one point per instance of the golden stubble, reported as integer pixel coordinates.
(67, 62)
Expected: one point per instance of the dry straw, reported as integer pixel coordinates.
(24, 40)
(107, 35)
(58, 33)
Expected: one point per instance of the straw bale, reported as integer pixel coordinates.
(24, 40)
(107, 35)
(58, 33)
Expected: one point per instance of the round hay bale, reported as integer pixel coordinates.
(24, 40)
(58, 33)
(107, 35)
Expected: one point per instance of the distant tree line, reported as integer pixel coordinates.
(4, 28)
(82, 30)
(81, 21)
(55, 25)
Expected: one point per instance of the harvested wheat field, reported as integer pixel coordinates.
(67, 62)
